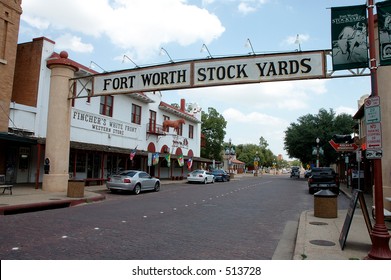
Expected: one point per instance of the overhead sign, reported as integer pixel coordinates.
(373, 136)
(213, 72)
(343, 147)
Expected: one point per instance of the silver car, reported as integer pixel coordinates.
(133, 180)
(200, 176)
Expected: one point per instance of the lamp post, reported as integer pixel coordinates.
(317, 151)
(379, 235)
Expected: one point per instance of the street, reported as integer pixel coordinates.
(241, 219)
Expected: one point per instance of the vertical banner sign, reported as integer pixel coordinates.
(384, 29)
(349, 37)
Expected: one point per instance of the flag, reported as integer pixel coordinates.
(349, 37)
(155, 158)
(384, 29)
(132, 153)
(168, 158)
(189, 163)
(180, 160)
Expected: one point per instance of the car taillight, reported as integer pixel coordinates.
(200, 175)
(127, 180)
(108, 179)
(310, 180)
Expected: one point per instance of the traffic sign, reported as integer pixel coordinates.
(373, 154)
(372, 114)
(372, 101)
(374, 132)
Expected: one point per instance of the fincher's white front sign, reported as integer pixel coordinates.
(214, 72)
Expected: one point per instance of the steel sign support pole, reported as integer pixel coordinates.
(380, 237)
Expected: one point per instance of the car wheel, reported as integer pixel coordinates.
(224, 179)
(137, 189)
(205, 181)
(213, 180)
(157, 187)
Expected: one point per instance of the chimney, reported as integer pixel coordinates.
(183, 105)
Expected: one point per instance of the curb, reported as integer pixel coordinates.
(47, 205)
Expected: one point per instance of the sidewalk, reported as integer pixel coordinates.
(318, 238)
(311, 238)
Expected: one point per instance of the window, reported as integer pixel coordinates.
(180, 129)
(136, 114)
(152, 121)
(106, 105)
(166, 118)
(191, 131)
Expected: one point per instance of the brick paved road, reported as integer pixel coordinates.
(241, 219)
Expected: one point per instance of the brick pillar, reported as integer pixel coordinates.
(58, 124)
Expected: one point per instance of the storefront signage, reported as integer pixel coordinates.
(99, 123)
(213, 72)
(343, 147)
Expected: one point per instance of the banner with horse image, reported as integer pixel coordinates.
(349, 37)
(384, 30)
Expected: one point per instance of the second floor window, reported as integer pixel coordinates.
(136, 114)
(152, 121)
(106, 105)
(191, 131)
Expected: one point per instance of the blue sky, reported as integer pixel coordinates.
(103, 31)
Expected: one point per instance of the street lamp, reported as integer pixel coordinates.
(317, 152)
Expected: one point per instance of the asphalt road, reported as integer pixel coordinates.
(241, 219)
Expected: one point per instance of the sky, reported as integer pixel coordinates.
(112, 35)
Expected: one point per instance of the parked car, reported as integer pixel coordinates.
(133, 180)
(307, 173)
(323, 178)
(295, 171)
(200, 176)
(221, 175)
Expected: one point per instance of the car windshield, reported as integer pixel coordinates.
(217, 171)
(197, 172)
(128, 173)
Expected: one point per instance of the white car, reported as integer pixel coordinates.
(200, 176)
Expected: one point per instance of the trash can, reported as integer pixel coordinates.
(325, 204)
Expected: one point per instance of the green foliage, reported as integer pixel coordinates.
(300, 138)
(248, 152)
(213, 128)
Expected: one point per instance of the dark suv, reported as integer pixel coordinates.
(295, 171)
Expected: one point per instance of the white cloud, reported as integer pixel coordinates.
(139, 26)
(346, 110)
(245, 8)
(250, 6)
(73, 43)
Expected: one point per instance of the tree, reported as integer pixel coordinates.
(248, 152)
(300, 138)
(213, 128)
